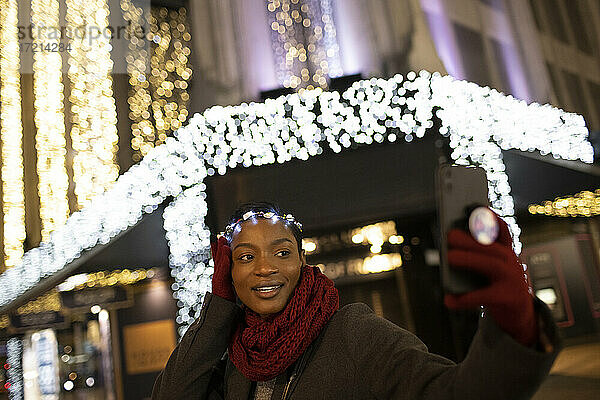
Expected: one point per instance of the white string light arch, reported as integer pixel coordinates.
(479, 122)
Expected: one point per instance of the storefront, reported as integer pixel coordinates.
(97, 336)
(104, 331)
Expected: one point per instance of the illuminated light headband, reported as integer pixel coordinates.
(289, 218)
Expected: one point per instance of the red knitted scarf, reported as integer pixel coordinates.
(262, 349)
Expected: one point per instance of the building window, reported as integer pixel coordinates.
(595, 92)
(506, 58)
(577, 95)
(578, 25)
(497, 4)
(473, 55)
(560, 96)
(555, 21)
(536, 15)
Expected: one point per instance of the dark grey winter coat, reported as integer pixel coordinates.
(357, 356)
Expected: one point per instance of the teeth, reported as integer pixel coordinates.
(267, 288)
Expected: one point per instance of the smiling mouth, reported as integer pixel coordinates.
(267, 291)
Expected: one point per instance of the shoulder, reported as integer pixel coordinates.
(367, 343)
(351, 311)
(350, 317)
(359, 325)
(358, 315)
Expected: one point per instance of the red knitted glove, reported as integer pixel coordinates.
(222, 285)
(507, 298)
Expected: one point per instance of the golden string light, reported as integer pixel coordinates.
(11, 135)
(170, 71)
(140, 99)
(304, 42)
(582, 204)
(4, 322)
(376, 235)
(288, 18)
(47, 302)
(158, 101)
(94, 117)
(49, 118)
(51, 300)
(106, 278)
(362, 266)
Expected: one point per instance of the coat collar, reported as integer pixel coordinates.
(237, 385)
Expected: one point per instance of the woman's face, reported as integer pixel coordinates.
(266, 265)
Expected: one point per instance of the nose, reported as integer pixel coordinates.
(264, 267)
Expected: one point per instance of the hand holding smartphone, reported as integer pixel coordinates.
(460, 190)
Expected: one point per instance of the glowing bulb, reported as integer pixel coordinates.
(358, 238)
(396, 239)
(309, 246)
(547, 295)
(380, 263)
(376, 248)
(103, 316)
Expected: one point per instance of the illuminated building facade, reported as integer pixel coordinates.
(525, 48)
(71, 122)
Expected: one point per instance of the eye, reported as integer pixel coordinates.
(246, 257)
(283, 253)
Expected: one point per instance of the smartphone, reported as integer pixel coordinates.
(459, 189)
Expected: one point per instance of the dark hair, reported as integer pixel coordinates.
(264, 206)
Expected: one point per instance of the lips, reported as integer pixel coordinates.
(267, 290)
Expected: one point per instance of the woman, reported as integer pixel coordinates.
(289, 340)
